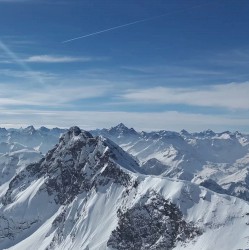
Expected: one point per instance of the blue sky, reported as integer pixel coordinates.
(184, 67)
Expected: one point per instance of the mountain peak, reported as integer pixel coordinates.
(3, 131)
(204, 133)
(75, 133)
(74, 130)
(79, 162)
(184, 132)
(44, 129)
(209, 132)
(121, 126)
(30, 129)
(122, 130)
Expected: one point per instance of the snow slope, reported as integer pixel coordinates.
(14, 157)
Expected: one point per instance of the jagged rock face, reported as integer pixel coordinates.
(152, 223)
(212, 185)
(9, 227)
(78, 163)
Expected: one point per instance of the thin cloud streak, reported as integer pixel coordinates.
(57, 59)
(25, 75)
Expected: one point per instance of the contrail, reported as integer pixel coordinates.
(113, 28)
(128, 24)
(18, 61)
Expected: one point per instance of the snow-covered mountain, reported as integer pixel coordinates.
(41, 139)
(202, 158)
(214, 160)
(87, 193)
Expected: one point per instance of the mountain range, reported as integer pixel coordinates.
(218, 161)
(122, 189)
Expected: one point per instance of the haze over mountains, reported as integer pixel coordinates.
(122, 189)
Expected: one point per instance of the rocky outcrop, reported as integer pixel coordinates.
(152, 223)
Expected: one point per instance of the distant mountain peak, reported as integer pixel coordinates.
(121, 126)
(30, 129)
(122, 129)
(184, 132)
(3, 131)
(209, 132)
(204, 133)
(44, 129)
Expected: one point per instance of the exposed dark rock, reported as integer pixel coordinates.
(152, 223)
(212, 185)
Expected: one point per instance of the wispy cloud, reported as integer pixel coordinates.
(27, 75)
(231, 96)
(49, 95)
(172, 70)
(13, 58)
(58, 59)
(238, 57)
